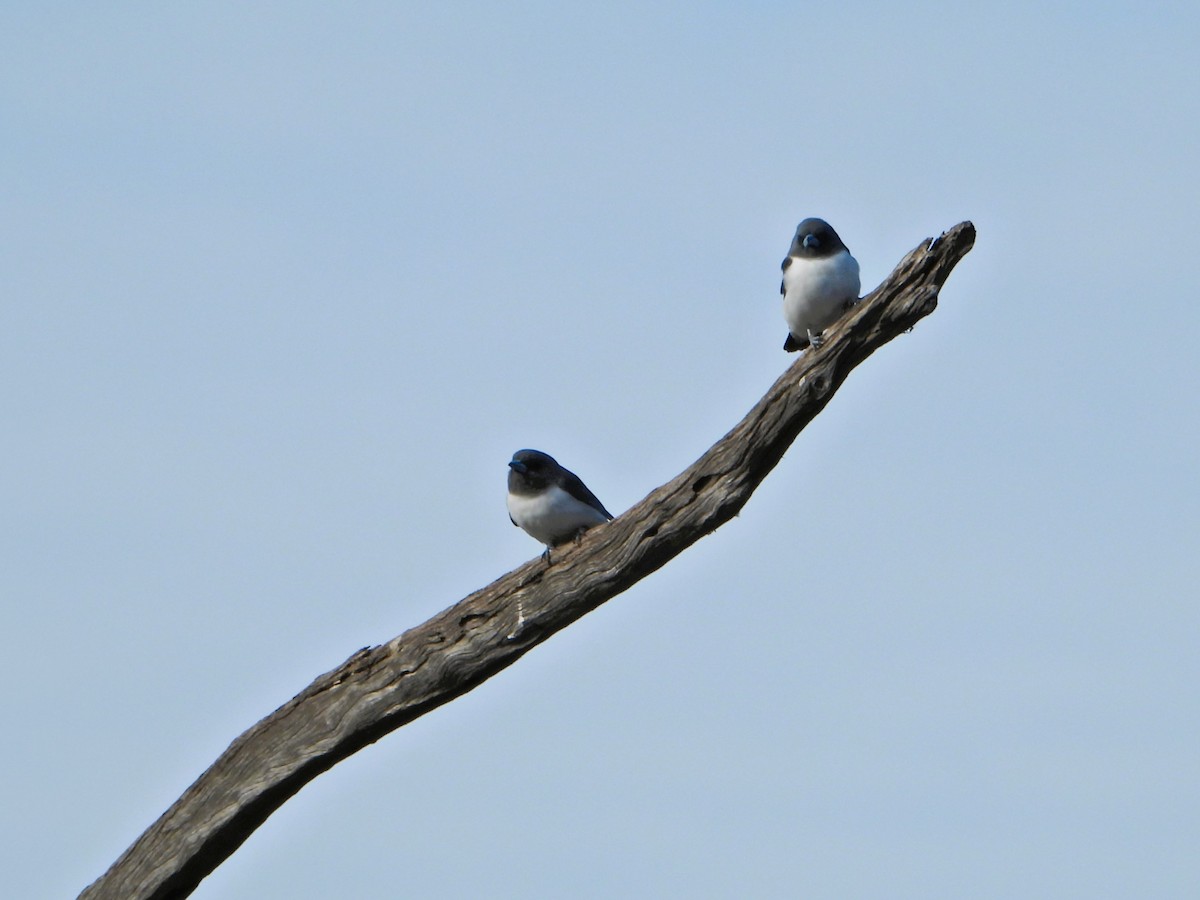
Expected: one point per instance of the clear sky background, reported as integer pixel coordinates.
(285, 285)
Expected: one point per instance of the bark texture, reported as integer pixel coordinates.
(381, 688)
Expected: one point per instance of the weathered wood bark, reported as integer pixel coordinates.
(381, 688)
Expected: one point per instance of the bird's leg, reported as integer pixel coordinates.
(815, 339)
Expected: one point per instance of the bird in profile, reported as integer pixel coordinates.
(820, 282)
(549, 502)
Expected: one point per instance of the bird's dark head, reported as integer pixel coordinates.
(814, 239)
(531, 469)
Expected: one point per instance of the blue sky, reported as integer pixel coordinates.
(285, 287)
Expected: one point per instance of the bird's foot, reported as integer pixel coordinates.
(815, 339)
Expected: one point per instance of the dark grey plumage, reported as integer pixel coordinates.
(548, 502)
(820, 283)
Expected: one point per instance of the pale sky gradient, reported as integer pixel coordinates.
(285, 285)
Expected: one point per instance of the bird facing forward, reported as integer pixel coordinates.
(820, 282)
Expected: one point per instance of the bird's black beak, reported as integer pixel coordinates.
(517, 466)
(811, 240)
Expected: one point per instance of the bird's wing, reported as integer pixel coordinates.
(577, 489)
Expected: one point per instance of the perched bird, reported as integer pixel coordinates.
(820, 282)
(550, 503)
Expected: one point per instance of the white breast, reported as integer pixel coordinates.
(817, 290)
(552, 516)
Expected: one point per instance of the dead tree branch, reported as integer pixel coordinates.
(381, 688)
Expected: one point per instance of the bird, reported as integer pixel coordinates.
(548, 502)
(820, 283)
